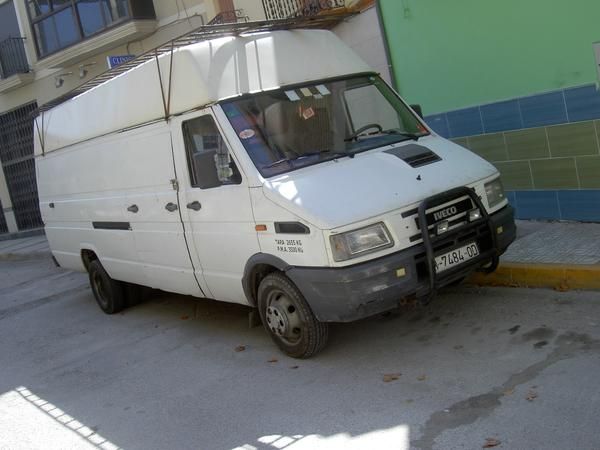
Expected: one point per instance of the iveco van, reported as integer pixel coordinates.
(275, 170)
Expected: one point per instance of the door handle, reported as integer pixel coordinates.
(171, 207)
(195, 205)
(133, 208)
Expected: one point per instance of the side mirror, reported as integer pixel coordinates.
(418, 110)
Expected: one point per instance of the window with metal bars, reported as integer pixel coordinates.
(16, 156)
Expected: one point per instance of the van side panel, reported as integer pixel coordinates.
(87, 196)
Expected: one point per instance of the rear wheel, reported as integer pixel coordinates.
(288, 318)
(109, 293)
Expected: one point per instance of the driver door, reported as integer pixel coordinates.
(216, 207)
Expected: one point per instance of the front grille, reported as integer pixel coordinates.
(460, 207)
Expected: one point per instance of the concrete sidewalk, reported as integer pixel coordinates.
(560, 255)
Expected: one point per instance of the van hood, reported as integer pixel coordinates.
(347, 190)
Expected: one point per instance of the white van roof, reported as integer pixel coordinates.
(199, 74)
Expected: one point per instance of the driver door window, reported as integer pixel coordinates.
(209, 162)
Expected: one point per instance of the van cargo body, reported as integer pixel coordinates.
(275, 170)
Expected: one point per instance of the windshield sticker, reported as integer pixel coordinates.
(247, 133)
(292, 96)
(308, 113)
(306, 92)
(322, 89)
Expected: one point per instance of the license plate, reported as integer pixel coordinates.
(456, 257)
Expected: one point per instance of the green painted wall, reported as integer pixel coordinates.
(449, 54)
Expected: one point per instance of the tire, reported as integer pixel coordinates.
(109, 293)
(288, 319)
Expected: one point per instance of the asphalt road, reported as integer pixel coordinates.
(514, 365)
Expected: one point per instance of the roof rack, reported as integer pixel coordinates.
(203, 33)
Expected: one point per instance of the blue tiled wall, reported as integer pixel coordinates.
(573, 104)
(579, 205)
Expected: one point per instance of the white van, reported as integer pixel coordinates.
(275, 170)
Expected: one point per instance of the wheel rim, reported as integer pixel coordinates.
(100, 289)
(283, 317)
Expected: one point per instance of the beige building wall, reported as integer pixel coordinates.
(251, 8)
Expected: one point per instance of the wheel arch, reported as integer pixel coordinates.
(256, 269)
(88, 254)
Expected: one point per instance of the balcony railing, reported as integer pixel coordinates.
(283, 9)
(229, 17)
(13, 59)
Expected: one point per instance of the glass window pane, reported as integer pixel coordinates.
(46, 36)
(38, 7)
(122, 7)
(91, 15)
(56, 4)
(66, 27)
(116, 10)
(56, 32)
(209, 161)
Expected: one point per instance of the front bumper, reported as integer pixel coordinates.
(352, 293)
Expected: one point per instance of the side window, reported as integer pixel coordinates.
(209, 162)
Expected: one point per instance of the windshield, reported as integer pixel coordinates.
(290, 128)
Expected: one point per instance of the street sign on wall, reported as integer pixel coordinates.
(116, 60)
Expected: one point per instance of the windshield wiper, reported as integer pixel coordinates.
(306, 155)
(412, 136)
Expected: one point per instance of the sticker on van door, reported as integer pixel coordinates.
(289, 245)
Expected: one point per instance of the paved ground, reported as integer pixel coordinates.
(30, 247)
(555, 242)
(519, 366)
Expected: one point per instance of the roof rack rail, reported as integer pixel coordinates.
(202, 33)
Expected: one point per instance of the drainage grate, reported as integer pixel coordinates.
(18, 164)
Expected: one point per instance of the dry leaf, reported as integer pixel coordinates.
(491, 442)
(510, 391)
(272, 360)
(240, 348)
(185, 317)
(391, 377)
(531, 395)
(422, 377)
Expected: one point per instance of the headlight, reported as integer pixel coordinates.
(494, 192)
(353, 244)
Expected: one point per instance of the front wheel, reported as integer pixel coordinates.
(288, 318)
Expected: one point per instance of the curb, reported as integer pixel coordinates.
(561, 277)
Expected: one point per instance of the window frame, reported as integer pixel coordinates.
(78, 26)
(191, 172)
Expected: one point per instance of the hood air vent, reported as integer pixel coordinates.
(414, 155)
